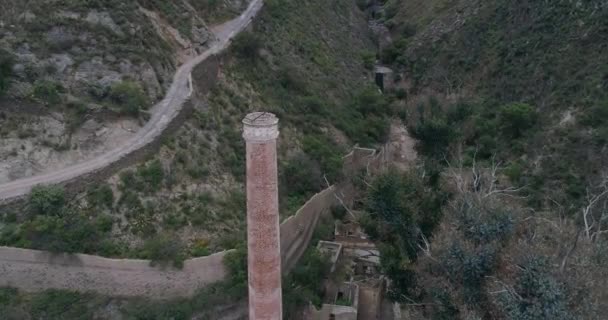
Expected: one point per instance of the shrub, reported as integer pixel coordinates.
(247, 45)
(597, 115)
(61, 304)
(164, 249)
(539, 295)
(370, 101)
(48, 92)
(362, 4)
(236, 262)
(369, 60)
(484, 225)
(6, 68)
(101, 196)
(45, 200)
(200, 248)
(152, 175)
(516, 118)
(301, 175)
(338, 212)
(434, 136)
(129, 97)
(71, 233)
(323, 150)
(305, 283)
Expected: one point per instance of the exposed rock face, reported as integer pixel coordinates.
(82, 51)
(103, 19)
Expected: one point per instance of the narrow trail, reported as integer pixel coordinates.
(162, 114)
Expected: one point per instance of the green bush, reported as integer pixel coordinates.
(128, 97)
(369, 60)
(301, 175)
(305, 283)
(481, 224)
(516, 118)
(72, 233)
(323, 150)
(338, 212)
(6, 69)
(362, 4)
(434, 135)
(164, 249)
(46, 200)
(61, 304)
(247, 45)
(152, 175)
(101, 196)
(469, 268)
(48, 92)
(597, 115)
(539, 295)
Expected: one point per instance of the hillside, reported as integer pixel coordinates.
(189, 194)
(508, 102)
(485, 56)
(301, 60)
(78, 76)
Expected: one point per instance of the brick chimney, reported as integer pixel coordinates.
(261, 131)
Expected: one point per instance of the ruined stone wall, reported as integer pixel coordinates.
(32, 271)
(297, 230)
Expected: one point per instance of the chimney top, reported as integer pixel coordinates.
(260, 126)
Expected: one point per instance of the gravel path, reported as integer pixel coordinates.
(162, 114)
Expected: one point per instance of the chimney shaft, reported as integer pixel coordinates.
(260, 131)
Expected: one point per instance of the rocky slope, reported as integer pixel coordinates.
(313, 77)
(83, 74)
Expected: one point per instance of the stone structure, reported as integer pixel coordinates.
(260, 131)
(384, 78)
(32, 271)
(342, 303)
(332, 250)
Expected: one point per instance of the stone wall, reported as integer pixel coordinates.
(32, 271)
(297, 230)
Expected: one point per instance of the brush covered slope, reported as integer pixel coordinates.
(508, 100)
(78, 76)
(301, 60)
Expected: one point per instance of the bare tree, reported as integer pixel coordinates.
(484, 182)
(596, 201)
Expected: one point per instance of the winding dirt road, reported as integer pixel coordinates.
(162, 114)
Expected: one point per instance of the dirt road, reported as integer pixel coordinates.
(162, 114)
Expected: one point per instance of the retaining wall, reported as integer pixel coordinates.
(31, 271)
